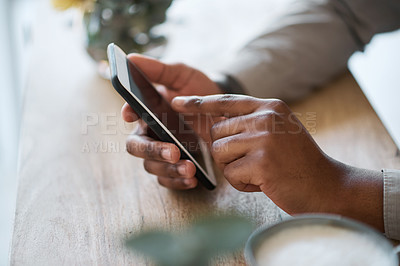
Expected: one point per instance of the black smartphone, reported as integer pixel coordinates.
(168, 126)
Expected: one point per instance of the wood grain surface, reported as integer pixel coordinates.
(80, 194)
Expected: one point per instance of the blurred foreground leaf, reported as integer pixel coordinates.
(222, 234)
(203, 240)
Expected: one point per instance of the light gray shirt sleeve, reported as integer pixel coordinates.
(391, 203)
(309, 45)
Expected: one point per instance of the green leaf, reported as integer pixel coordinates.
(167, 249)
(222, 233)
(161, 246)
(202, 241)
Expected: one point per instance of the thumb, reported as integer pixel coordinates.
(173, 76)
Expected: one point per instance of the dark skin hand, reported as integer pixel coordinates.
(262, 146)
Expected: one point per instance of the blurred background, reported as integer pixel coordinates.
(189, 31)
(16, 18)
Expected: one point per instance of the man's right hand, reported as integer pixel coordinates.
(160, 158)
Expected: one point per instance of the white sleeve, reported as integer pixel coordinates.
(309, 45)
(391, 203)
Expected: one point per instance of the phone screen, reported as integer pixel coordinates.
(145, 91)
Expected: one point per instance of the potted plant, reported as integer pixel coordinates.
(128, 23)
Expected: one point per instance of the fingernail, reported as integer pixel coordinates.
(166, 154)
(188, 182)
(179, 101)
(182, 169)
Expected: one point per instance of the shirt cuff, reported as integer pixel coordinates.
(227, 83)
(391, 203)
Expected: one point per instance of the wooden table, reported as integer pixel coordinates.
(80, 194)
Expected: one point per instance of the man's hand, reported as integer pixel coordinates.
(262, 146)
(163, 159)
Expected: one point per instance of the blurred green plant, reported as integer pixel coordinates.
(203, 240)
(128, 23)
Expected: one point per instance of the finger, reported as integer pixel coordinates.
(174, 76)
(228, 149)
(147, 148)
(182, 169)
(227, 105)
(260, 121)
(228, 127)
(239, 176)
(128, 114)
(177, 183)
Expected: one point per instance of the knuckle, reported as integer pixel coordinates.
(215, 130)
(268, 115)
(266, 119)
(279, 105)
(263, 117)
(197, 101)
(194, 101)
(229, 172)
(226, 100)
(226, 97)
